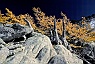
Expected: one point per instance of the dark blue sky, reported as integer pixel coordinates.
(74, 9)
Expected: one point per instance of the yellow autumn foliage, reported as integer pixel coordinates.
(3, 18)
(46, 22)
(74, 30)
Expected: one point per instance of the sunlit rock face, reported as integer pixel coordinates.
(92, 23)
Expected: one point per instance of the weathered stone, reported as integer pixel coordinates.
(8, 25)
(58, 59)
(15, 59)
(2, 42)
(6, 33)
(11, 32)
(27, 60)
(88, 52)
(20, 30)
(37, 49)
(39, 46)
(4, 52)
(69, 57)
(43, 55)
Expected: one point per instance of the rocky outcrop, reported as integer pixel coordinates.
(69, 57)
(36, 49)
(88, 53)
(40, 48)
(12, 31)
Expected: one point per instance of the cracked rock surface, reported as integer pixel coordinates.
(36, 49)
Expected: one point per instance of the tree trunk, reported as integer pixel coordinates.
(55, 36)
(29, 25)
(65, 43)
(51, 34)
